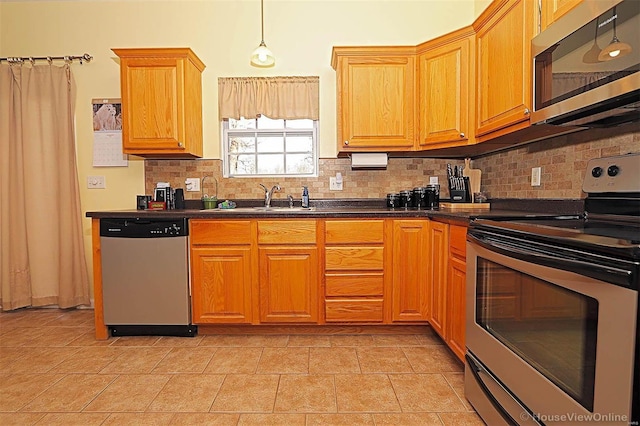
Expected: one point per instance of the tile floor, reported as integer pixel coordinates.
(53, 372)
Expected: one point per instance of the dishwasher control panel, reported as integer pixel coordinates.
(143, 228)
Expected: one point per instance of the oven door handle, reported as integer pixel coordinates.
(605, 273)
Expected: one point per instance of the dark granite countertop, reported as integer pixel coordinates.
(353, 208)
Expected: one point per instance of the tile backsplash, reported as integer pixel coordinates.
(504, 175)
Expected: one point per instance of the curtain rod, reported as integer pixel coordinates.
(19, 60)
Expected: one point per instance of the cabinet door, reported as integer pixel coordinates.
(504, 69)
(456, 285)
(444, 95)
(221, 285)
(554, 9)
(439, 244)
(288, 284)
(410, 297)
(376, 105)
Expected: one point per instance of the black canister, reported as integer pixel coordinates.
(420, 197)
(406, 199)
(393, 200)
(432, 196)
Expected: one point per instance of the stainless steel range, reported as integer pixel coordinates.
(552, 309)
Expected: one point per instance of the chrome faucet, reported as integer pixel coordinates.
(268, 194)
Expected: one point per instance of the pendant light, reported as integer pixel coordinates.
(591, 56)
(615, 49)
(262, 56)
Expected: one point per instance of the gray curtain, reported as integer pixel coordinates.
(42, 261)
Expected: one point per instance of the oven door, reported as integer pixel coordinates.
(546, 343)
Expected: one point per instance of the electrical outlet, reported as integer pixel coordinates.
(95, 182)
(192, 184)
(334, 184)
(536, 172)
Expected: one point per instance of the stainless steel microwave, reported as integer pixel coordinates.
(587, 66)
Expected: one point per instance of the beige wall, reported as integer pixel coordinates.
(223, 33)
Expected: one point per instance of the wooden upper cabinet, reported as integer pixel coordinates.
(504, 67)
(376, 98)
(161, 93)
(445, 90)
(554, 9)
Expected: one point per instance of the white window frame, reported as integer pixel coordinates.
(226, 132)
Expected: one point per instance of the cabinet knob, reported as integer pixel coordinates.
(462, 135)
(526, 111)
(346, 142)
(180, 144)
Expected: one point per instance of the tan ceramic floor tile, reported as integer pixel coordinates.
(89, 339)
(136, 341)
(20, 419)
(272, 420)
(8, 355)
(185, 360)
(432, 359)
(284, 361)
(20, 336)
(234, 360)
(129, 393)
(461, 419)
(90, 359)
(253, 340)
(309, 340)
(188, 393)
(333, 360)
(138, 419)
(429, 338)
(247, 393)
(396, 340)
(208, 419)
(38, 317)
(383, 360)
(140, 360)
(172, 341)
(41, 360)
(73, 419)
(74, 318)
(351, 340)
(365, 393)
(57, 336)
(72, 393)
(19, 389)
(340, 420)
(306, 394)
(456, 381)
(408, 419)
(425, 392)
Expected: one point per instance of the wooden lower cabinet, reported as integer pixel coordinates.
(410, 295)
(456, 294)
(223, 290)
(439, 244)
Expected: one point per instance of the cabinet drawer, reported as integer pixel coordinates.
(213, 232)
(353, 310)
(365, 258)
(363, 284)
(287, 232)
(354, 232)
(458, 241)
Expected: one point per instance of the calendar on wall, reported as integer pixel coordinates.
(107, 134)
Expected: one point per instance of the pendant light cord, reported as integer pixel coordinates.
(262, 20)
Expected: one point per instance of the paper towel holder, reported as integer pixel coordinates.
(369, 160)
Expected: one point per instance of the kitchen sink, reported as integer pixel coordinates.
(264, 209)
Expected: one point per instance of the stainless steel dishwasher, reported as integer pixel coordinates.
(145, 276)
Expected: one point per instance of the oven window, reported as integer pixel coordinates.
(551, 328)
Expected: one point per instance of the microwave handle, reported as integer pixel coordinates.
(609, 274)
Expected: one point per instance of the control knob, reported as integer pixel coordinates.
(596, 172)
(613, 170)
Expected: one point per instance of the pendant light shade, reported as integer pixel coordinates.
(262, 56)
(615, 49)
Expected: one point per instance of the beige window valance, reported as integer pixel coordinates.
(286, 98)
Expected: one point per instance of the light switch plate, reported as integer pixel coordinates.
(96, 182)
(535, 176)
(192, 184)
(334, 184)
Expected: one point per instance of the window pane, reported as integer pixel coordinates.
(243, 123)
(300, 124)
(241, 144)
(299, 163)
(273, 143)
(242, 164)
(267, 123)
(299, 143)
(270, 164)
